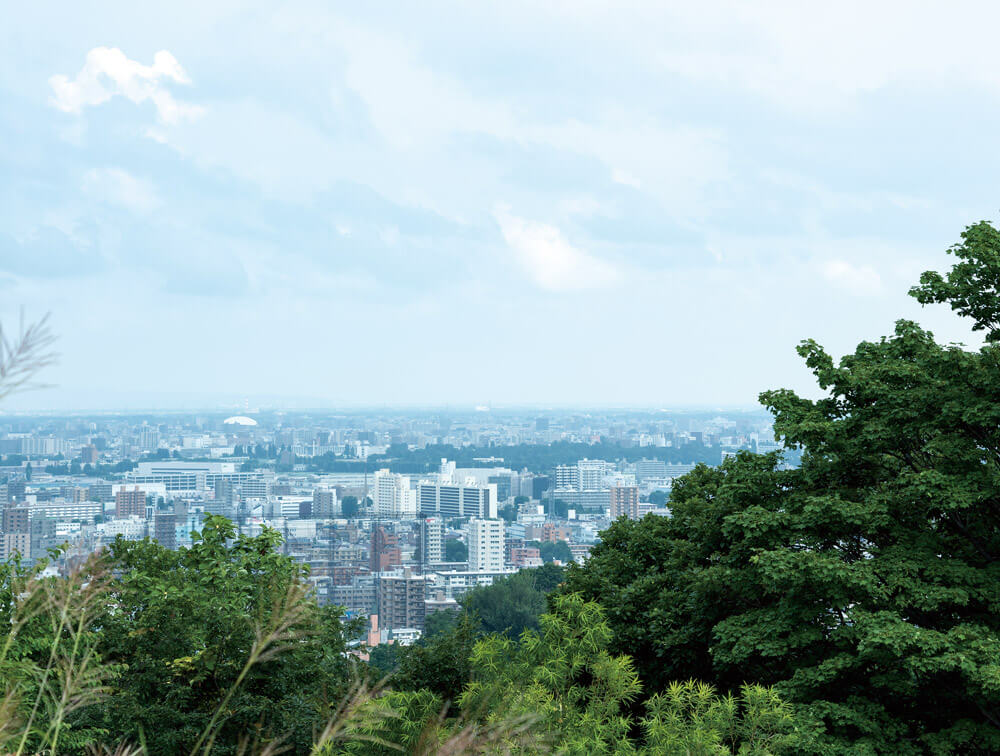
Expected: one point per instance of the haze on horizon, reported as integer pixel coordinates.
(581, 204)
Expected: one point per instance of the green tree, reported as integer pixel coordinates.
(580, 695)
(217, 641)
(864, 585)
(512, 604)
(508, 512)
(455, 551)
(349, 506)
(440, 662)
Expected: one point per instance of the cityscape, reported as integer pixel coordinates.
(396, 514)
(499, 379)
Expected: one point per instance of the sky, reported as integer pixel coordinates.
(564, 203)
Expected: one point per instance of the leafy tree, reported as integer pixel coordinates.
(455, 551)
(559, 508)
(864, 585)
(440, 662)
(508, 512)
(580, 695)
(349, 506)
(552, 550)
(443, 621)
(519, 500)
(659, 498)
(216, 641)
(512, 604)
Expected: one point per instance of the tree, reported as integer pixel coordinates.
(553, 550)
(580, 695)
(659, 498)
(455, 551)
(508, 512)
(864, 585)
(217, 640)
(512, 604)
(559, 508)
(349, 506)
(519, 500)
(439, 662)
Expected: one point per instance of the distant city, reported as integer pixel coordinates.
(397, 514)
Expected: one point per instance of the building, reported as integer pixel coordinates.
(485, 545)
(16, 519)
(89, 455)
(453, 500)
(401, 599)
(165, 529)
(624, 502)
(431, 541)
(192, 477)
(525, 556)
(325, 505)
(129, 503)
(393, 496)
(11, 543)
(385, 551)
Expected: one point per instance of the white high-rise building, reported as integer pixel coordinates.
(393, 496)
(485, 545)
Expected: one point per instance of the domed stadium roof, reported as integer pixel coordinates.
(239, 420)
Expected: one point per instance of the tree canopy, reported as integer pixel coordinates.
(864, 585)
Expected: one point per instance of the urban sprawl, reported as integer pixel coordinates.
(396, 514)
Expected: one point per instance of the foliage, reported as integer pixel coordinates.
(580, 695)
(512, 604)
(49, 664)
(349, 506)
(455, 551)
(439, 663)
(553, 550)
(863, 585)
(217, 643)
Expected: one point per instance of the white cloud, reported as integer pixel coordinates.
(118, 187)
(862, 280)
(549, 259)
(108, 72)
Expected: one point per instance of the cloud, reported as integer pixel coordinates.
(862, 280)
(108, 72)
(549, 259)
(118, 187)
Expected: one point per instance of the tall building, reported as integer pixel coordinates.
(385, 552)
(393, 496)
(453, 500)
(624, 502)
(130, 502)
(15, 542)
(165, 529)
(401, 599)
(485, 545)
(325, 505)
(16, 519)
(431, 541)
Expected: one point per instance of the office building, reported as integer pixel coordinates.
(454, 500)
(485, 541)
(393, 496)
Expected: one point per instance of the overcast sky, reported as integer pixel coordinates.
(460, 204)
